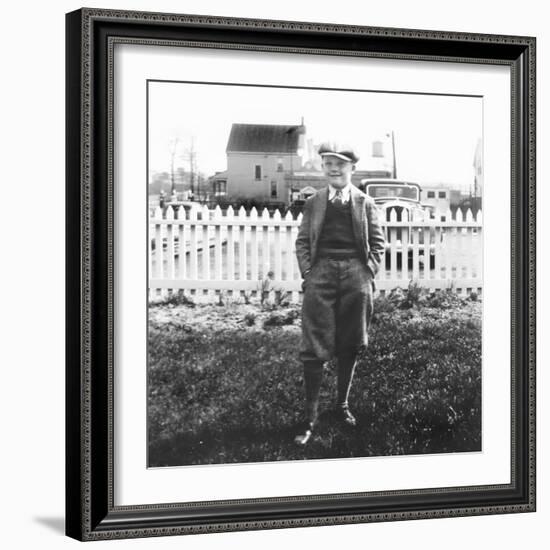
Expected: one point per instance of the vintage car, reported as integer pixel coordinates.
(399, 201)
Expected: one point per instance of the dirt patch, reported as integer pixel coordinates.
(211, 317)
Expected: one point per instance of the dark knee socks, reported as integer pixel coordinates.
(313, 376)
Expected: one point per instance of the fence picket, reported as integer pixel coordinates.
(217, 217)
(182, 256)
(170, 271)
(277, 261)
(405, 256)
(193, 253)
(456, 252)
(242, 245)
(405, 239)
(415, 254)
(289, 248)
(438, 252)
(266, 261)
(150, 252)
(230, 254)
(179, 243)
(446, 248)
(254, 246)
(158, 251)
(393, 252)
(470, 246)
(229, 217)
(478, 259)
(427, 253)
(205, 250)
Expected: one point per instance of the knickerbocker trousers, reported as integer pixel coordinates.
(337, 308)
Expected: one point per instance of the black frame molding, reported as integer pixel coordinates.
(90, 36)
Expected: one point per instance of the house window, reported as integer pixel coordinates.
(220, 188)
(442, 195)
(258, 172)
(273, 189)
(431, 194)
(279, 165)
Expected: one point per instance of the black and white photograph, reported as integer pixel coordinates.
(315, 273)
(300, 275)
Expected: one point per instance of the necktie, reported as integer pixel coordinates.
(338, 198)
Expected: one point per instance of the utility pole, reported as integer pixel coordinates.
(199, 187)
(191, 155)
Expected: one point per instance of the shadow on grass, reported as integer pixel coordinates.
(331, 440)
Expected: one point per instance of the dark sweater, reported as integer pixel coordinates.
(337, 234)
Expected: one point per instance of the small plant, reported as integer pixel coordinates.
(178, 298)
(266, 286)
(444, 299)
(412, 296)
(250, 319)
(282, 298)
(383, 304)
(281, 319)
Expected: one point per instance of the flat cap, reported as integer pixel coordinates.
(339, 150)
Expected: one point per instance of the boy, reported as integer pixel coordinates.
(339, 247)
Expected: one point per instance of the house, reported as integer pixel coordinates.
(437, 196)
(270, 164)
(259, 156)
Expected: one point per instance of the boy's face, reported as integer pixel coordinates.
(338, 171)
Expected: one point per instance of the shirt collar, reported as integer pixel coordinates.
(345, 192)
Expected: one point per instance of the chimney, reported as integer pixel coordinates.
(377, 149)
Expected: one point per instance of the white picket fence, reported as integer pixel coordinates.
(207, 252)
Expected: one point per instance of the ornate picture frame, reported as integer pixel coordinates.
(92, 429)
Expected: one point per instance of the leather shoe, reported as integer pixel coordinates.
(304, 435)
(343, 414)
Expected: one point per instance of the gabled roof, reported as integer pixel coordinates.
(264, 138)
(219, 175)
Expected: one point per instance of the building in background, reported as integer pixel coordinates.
(271, 164)
(260, 157)
(478, 171)
(218, 185)
(437, 196)
(278, 166)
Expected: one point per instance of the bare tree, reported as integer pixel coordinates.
(191, 156)
(173, 150)
(188, 155)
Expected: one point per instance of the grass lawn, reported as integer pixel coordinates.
(225, 384)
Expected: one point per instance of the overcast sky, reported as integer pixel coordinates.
(435, 136)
